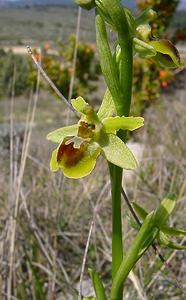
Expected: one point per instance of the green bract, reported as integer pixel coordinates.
(167, 54)
(80, 144)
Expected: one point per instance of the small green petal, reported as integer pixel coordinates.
(59, 134)
(114, 124)
(167, 53)
(116, 152)
(85, 165)
(168, 243)
(53, 162)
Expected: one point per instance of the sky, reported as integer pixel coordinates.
(181, 6)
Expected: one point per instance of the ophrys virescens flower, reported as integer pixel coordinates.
(81, 144)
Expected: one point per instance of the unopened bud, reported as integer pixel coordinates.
(87, 4)
(144, 32)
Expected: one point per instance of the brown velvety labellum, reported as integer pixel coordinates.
(69, 155)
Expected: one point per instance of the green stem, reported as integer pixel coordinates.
(125, 73)
(143, 240)
(119, 82)
(117, 243)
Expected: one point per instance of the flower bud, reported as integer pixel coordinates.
(87, 4)
(144, 32)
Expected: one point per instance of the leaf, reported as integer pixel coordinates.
(108, 63)
(116, 152)
(140, 211)
(167, 53)
(149, 238)
(107, 108)
(165, 209)
(84, 165)
(59, 134)
(168, 243)
(98, 286)
(173, 231)
(113, 124)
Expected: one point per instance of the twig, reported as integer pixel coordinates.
(75, 55)
(84, 259)
(60, 95)
(163, 267)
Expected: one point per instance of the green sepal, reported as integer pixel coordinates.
(168, 243)
(143, 48)
(59, 134)
(107, 108)
(87, 4)
(97, 284)
(116, 152)
(164, 210)
(167, 54)
(85, 109)
(113, 124)
(173, 231)
(140, 211)
(89, 298)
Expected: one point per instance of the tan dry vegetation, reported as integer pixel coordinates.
(54, 214)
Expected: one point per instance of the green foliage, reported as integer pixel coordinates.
(58, 67)
(13, 65)
(98, 286)
(148, 80)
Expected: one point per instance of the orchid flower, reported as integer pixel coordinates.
(81, 144)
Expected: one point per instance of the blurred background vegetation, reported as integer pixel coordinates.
(54, 214)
